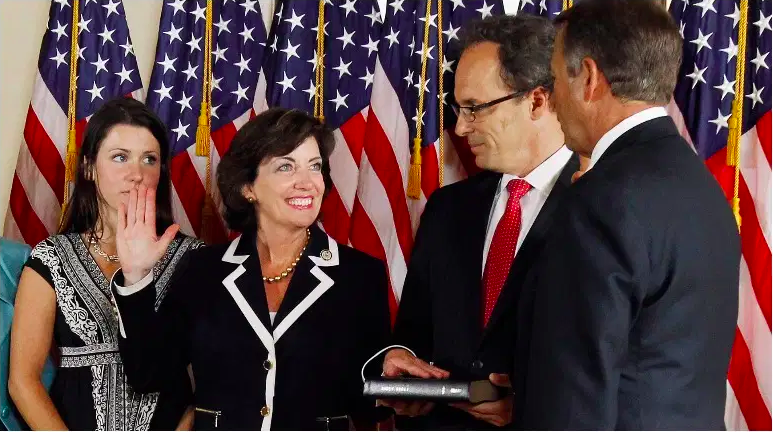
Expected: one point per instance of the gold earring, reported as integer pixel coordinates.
(251, 200)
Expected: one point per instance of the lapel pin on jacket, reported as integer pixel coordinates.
(326, 254)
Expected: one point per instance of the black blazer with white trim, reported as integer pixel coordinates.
(248, 373)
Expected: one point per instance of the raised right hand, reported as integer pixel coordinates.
(137, 244)
(399, 362)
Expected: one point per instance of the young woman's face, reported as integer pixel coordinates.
(128, 157)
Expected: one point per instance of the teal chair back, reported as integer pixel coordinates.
(12, 258)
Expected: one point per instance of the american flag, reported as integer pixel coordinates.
(106, 68)
(545, 8)
(383, 219)
(703, 100)
(351, 40)
(176, 88)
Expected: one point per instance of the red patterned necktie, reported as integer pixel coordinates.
(502, 249)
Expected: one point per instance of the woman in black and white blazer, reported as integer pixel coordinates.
(275, 325)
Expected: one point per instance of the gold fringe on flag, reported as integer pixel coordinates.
(414, 175)
(735, 123)
(71, 155)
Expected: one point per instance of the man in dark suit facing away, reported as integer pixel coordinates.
(478, 237)
(635, 310)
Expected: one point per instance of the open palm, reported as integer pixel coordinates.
(139, 247)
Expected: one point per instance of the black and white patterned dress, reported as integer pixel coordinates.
(90, 390)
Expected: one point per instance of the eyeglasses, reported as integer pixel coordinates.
(469, 112)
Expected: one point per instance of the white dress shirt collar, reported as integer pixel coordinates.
(624, 126)
(545, 175)
(542, 179)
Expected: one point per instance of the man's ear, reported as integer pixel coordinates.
(596, 84)
(540, 103)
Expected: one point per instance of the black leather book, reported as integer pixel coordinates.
(433, 390)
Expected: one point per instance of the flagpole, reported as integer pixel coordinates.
(71, 154)
(442, 100)
(319, 85)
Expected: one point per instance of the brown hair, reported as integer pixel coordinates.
(275, 132)
(82, 214)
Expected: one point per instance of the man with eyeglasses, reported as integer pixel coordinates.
(479, 237)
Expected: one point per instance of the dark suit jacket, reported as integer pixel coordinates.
(635, 310)
(440, 309)
(334, 315)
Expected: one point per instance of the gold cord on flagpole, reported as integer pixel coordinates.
(414, 175)
(319, 84)
(442, 101)
(735, 123)
(71, 155)
(203, 132)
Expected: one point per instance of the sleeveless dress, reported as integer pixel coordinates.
(90, 390)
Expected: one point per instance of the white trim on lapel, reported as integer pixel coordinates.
(229, 256)
(325, 282)
(267, 338)
(257, 325)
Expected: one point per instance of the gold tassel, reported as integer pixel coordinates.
(414, 175)
(203, 132)
(71, 160)
(735, 123)
(203, 135)
(733, 126)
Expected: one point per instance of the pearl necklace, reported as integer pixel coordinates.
(290, 269)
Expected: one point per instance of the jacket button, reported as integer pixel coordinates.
(267, 365)
(265, 411)
(5, 412)
(477, 364)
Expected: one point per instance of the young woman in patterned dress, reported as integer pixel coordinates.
(64, 304)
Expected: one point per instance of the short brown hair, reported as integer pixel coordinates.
(275, 132)
(635, 44)
(525, 45)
